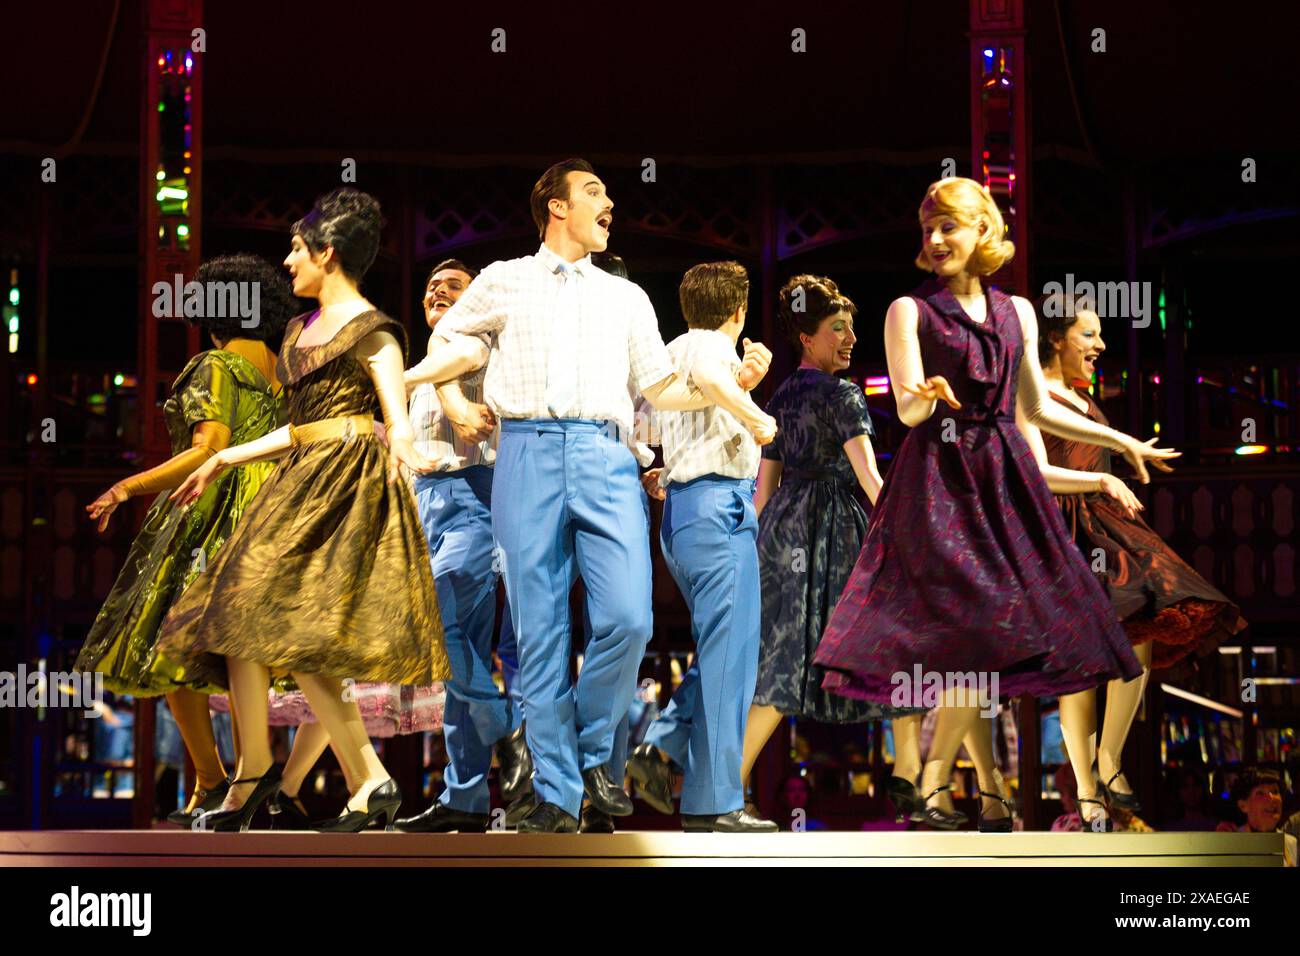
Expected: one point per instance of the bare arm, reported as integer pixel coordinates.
(769, 479)
(903, 355)
(718, 382)
(270, 446)
(448, 359)
(675, 394)
(381, 354)
(863, 459)
(1068, 481)
(1039, 410)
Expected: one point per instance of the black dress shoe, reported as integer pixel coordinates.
(226, 821)
(382, 802)
(515, 774)
(208, 800)
(548, 818)
(441, 818)
(593, 821)
(605, 795)
(653, 776)
(286, 815)
(520, 809)
(737, 821)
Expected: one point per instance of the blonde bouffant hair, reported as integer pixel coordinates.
(970, 204)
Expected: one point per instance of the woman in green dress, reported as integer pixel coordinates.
(225, 396)
(327, 577)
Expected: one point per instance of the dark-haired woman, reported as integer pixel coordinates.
(967, 565)
(327, 578)
(810, 524)
(1168, 611)
(227, 395)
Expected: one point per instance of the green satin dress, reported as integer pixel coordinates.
(175, 545)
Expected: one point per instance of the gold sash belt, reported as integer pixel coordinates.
(345, 428)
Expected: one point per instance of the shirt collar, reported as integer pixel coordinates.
(553, 263)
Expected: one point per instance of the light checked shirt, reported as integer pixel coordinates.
(617, 338)
(708, 441)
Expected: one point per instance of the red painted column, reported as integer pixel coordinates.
(1000, 123)
(170, 217)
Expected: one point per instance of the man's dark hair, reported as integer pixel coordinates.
(554, 184)
(450, 264)
(711, 292)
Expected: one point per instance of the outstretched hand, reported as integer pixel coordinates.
(1112, 486)
(1138, 453)
(102, 508)
(933, 389)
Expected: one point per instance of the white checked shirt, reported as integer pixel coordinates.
(709, 441)
(618, 340)
(434, 436)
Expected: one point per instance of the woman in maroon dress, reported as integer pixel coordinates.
(1168, 611)
(967, 567)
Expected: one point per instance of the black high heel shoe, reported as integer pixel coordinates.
(903, 797)
(285, 814)
(1107, 825)
(939, 818)
(382, 802)
(1125, 801)
(208, 800)
(228, 821)
(998, 824)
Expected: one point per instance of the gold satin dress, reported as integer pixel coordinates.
(328, 573)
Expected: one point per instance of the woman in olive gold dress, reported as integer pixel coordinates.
(327, 577)
(226, 395)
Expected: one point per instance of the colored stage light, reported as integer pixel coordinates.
(1252, 450)
(31, 378)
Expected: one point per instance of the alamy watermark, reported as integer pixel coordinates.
(74, 908)
(1121, 300)
(197, 300)
(41, 688)
(920, 688)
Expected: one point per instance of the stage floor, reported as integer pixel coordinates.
(645, 848)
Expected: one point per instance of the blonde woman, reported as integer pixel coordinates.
(967, 565)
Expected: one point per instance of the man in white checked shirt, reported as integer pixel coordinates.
(454, 503)
(709, 536)
(565, 340)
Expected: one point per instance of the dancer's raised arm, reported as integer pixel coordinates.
(915, 394)
(1031, 394)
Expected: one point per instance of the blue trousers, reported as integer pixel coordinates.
(456, 511)
(710, 544)
(671, 730)
(569, 503)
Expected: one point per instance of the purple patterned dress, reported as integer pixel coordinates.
(967, 564)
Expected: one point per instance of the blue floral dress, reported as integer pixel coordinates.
(810, 533)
